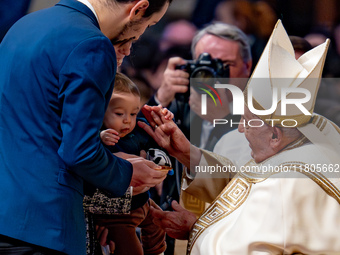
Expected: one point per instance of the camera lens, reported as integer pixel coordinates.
(203, 72)
(203, 75)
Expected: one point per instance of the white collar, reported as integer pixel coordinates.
(87, 3)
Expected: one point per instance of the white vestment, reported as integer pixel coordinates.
(290, 202)
(275, 212)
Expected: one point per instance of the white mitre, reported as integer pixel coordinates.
(278, 70)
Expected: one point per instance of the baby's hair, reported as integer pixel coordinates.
(124, 85)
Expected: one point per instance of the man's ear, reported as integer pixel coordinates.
(277, 136)
(248, 67)
(138, 10)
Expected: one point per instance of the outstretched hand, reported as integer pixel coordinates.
(177, 224)
(166, 133)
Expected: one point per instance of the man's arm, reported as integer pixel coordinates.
(84, 90)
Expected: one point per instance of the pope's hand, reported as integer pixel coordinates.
(177, 224)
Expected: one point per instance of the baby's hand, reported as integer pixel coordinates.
(168, 115)
(109, 136)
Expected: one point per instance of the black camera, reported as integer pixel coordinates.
(205, 67)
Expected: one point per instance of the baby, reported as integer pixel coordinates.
(121, 134)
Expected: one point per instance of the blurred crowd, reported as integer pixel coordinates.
(256, 18)
(149, 55)
(312, 20)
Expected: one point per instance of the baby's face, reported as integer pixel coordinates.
(122, 112)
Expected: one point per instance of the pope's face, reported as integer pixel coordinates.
(258, 137)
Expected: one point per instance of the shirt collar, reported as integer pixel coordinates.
(87, 3)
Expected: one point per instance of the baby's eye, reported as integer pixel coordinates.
(133, 114)
(119, 114)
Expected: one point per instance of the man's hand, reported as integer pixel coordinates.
(174, 81)
(176, 224)
(142, 166)
(109, 136)
(145, 174)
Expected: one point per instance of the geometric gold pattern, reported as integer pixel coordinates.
(192, 204)
(233, 195)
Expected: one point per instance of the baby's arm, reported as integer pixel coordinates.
(109, 136)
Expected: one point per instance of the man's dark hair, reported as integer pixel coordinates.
(154, 6)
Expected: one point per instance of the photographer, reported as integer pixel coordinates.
(224, 42)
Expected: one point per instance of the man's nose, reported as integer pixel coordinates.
(241, 125)
(126, 49)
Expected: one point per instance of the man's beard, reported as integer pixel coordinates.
(131, 25)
